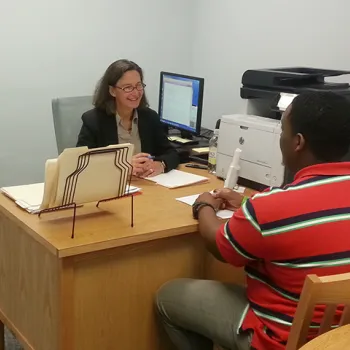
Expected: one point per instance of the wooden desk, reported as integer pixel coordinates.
(96, 291)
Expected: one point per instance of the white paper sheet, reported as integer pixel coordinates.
(223, 214)
(29, 197)
(177, 178)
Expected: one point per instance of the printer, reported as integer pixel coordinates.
(262, 88)
(258, 138)
(257, 129)
(268, 83)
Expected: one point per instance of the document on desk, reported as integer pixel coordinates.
(177, 178)
(178, 139)
(110, 165)
(30, 197)
(201, 150)
(223, 214)
(110, 168)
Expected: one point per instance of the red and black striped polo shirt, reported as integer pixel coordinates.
(282, 235)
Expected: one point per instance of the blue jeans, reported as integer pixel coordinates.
(199, 313)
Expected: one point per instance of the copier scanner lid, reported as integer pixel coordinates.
(266, 83)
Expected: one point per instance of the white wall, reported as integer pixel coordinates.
(232, 36)
(61, 48)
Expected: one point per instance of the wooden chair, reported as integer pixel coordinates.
(330, 291)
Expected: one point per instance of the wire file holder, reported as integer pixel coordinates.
(120, 162)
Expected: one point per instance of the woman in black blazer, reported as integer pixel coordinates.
(121, 114)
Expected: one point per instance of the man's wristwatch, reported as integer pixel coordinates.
(197, 206)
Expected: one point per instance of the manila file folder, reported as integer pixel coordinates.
(80, 175)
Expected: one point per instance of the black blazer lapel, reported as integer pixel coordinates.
(145, 133)
(109, 129)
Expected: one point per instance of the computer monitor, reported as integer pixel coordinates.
(181, 102)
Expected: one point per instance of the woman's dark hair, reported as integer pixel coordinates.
(102, 98)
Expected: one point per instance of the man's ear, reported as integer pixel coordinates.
(300, 142)
(112, 91)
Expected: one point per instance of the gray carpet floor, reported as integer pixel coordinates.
(10, 341)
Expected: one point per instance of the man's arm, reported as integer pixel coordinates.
(239, 240)
(209, 225)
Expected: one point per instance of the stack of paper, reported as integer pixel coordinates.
(177, 178)
(178, 139)
(30, 197)
(201, 150)
(77, 177)
(98, 175)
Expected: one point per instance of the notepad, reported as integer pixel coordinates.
(28, 197)
(179, 139)
(223, 214)
(177, 178)
(201, 150)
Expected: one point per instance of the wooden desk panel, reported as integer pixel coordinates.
(29, 287)
(216, 270)
(114, 292)
(96, 291)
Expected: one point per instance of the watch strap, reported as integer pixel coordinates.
(197, 206)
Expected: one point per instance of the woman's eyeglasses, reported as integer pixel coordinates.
(130, 88)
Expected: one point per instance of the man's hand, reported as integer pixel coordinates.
(140, 163)
(207, 197)
(231, 200)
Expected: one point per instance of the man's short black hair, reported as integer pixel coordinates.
(323, 118)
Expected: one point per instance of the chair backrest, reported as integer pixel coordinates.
(67, 114)
(330, 291)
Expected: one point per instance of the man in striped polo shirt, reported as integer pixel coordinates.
(279, 236)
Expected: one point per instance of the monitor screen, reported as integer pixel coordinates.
(180, 101)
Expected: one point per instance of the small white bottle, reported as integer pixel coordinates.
(233, 170)
(213, 147)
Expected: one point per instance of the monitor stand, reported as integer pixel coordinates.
(186, 135)
(185, 138)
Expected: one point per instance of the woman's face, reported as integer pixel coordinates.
(125, 98)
